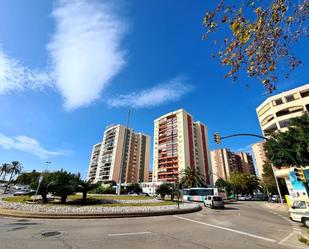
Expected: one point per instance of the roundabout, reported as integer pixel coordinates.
(96, 207)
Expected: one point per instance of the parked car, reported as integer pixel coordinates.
(17, 187)
(214, 201)
(299, 211)
(4, 184)
(242, 198)
(24, 192)
(274, 198)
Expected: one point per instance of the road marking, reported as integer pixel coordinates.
(126, 234)
(286, 238)
(227, 229)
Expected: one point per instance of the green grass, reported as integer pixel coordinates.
(17, 199)
(112, 197)
(75, 200)
(155, 204)
(303, 240)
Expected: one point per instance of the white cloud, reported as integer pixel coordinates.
(85, 49)
(28, 144)
(14, 76)
(171, 90)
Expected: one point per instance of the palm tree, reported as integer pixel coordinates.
(191, 177)
(85, 186)
(4, 169)
(15, 169)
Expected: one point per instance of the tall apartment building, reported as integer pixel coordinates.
(224, 162)
(276, 112)
(259, 156)
(120, 146)
(179, 142)
(246, 163)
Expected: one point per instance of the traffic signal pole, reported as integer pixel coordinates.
(218, 140)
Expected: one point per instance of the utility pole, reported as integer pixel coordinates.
(123, 153)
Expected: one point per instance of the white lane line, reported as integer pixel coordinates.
(227, 229)
(127, 234)
(286, 238)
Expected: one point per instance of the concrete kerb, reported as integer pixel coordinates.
(19, 214)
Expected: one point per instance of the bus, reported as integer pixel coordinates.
(198, 194)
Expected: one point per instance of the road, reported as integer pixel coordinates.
(242, 225)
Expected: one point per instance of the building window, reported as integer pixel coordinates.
(290, 110)
(277, 102)
(305, 93)
(264, 109)
(271, 128)
(267, 120)
(284, 123)
(291, 97)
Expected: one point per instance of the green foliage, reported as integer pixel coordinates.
(134, 188)
(15, 169)
(103, 190)
(85, 186)
(4, 170)
(27, 178)
(243, 184)
(191, 177)
(164, 189)
(222, 184)
(284, 148)
(258, 36)
(64, 184)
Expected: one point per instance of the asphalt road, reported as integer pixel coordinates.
(247, 225)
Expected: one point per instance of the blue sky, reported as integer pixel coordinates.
(70, 68)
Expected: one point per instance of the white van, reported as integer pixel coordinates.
(214, 201)
(299, 211)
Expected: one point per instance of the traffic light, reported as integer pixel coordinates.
(217, 138)
(299, 173)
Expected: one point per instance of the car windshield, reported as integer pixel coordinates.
(299, 204)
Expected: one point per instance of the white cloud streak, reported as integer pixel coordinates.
(171, 90)
(85, 49)
(30, 145)
(14, 76)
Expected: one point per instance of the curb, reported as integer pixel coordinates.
(19, 214)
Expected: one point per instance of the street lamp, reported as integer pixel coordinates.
(41, 177)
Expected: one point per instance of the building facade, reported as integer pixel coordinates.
(259, 156)
(224, 162)
(122, 151)
(246, 163)
(275, 112)
(179, 142)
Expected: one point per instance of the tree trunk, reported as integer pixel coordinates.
(63, 199)
(6, 187)
(84, 196)
(44, 197)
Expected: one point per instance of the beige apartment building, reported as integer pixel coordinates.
(179, 142)
(120, 146)
(224, 162)
(276, 112)
(259, 156)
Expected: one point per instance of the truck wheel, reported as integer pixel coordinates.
(306, 222)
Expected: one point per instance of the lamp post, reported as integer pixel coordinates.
(40, 180)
